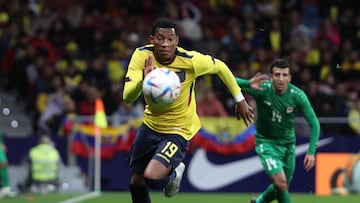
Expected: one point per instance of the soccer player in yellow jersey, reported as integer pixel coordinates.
(162, 140)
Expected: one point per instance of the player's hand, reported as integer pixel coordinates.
(309, 162)
(257, 79)
(242, 109)
(148, 66)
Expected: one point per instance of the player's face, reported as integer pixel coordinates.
(165, 41)
(281, 78)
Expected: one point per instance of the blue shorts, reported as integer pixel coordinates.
(169, 149)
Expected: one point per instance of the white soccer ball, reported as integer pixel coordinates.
(161, 87)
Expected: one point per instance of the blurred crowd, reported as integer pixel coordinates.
(58, 56)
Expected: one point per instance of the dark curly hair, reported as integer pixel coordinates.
(163, 23)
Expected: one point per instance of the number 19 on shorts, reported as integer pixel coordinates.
(170, 149)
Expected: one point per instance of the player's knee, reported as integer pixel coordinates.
(280, 185)
(155, 174)
(154, 179)
(156, 183)
(150, 175)
(137, 180)
(3, 164)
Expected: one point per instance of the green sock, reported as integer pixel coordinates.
(4, 177)
(267, 196)
(260, 199)
(283, 197)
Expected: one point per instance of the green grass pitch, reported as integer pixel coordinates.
(124, 197)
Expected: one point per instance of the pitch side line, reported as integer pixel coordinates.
(82, 197)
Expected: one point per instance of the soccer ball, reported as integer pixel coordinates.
(161, 86)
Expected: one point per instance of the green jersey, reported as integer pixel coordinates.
(276, 113)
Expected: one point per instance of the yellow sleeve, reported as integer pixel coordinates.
(205, 64)
(134, 77)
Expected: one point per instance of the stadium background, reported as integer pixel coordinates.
(91, 41)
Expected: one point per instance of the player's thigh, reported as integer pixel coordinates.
(171, 150)
(168, 149)
(289, 163)
(271, 157)
(3, 158)
(142, 149)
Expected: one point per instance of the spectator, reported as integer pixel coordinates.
(112, 98)
(351, 97)
(72, 78)
(274, 36)
(43, 45)
(300, 36)
(44, 166)
(234, 38)
(97, 73)
(268, 8)
(354, 118)
(208, 43)
(75, 14)
(58, 34)
(59, 103)
(210, 105)
(189, 17)
(130, 110)
(329, 33)
(86, 104)
(44, 20)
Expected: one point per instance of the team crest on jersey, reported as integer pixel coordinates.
(289, 109)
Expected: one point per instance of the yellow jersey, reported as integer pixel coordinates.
(179, 117)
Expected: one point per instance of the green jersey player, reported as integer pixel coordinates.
(278, 103)
(5, 189)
